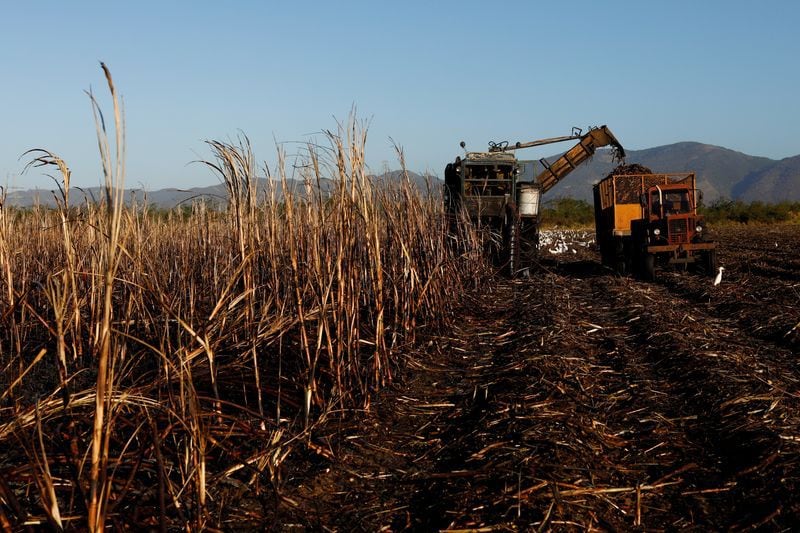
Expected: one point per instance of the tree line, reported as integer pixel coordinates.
(569, 212)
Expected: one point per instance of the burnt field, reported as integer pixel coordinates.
(581, 400)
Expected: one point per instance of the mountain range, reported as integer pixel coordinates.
(215, 194)
(721, 174)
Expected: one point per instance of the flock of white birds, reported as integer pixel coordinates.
(562, 241)
(566, 241)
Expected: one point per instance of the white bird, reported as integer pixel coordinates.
(718, 279)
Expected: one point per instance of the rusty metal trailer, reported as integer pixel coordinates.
(646, 219)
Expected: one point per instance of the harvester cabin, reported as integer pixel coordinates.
(488, 183)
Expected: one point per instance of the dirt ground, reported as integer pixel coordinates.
(579, 400)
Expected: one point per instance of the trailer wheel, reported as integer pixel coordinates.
(710, 262)
(606, 252)
(648, 271)
(621, 254)
(621, 266)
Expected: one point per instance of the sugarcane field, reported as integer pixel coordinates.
(447, 309)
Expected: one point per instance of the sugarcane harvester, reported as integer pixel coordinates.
(501, 193)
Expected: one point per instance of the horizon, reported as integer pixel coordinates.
(132, 188)
(189, 72)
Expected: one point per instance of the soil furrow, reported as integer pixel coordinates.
(580, 400)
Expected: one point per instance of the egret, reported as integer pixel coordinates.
(718, 279)
(561, 247)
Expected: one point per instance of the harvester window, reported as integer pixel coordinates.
(487, 180)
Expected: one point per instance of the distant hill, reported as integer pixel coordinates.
(721, 173)
(166, 198)
(773, 183)
(171, 197)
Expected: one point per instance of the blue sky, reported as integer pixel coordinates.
(427, 74)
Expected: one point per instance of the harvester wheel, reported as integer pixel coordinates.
(528, 242)
(511, 241)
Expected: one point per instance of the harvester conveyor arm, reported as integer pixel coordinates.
(594, 139)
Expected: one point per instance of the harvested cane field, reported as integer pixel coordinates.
(579, 400)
